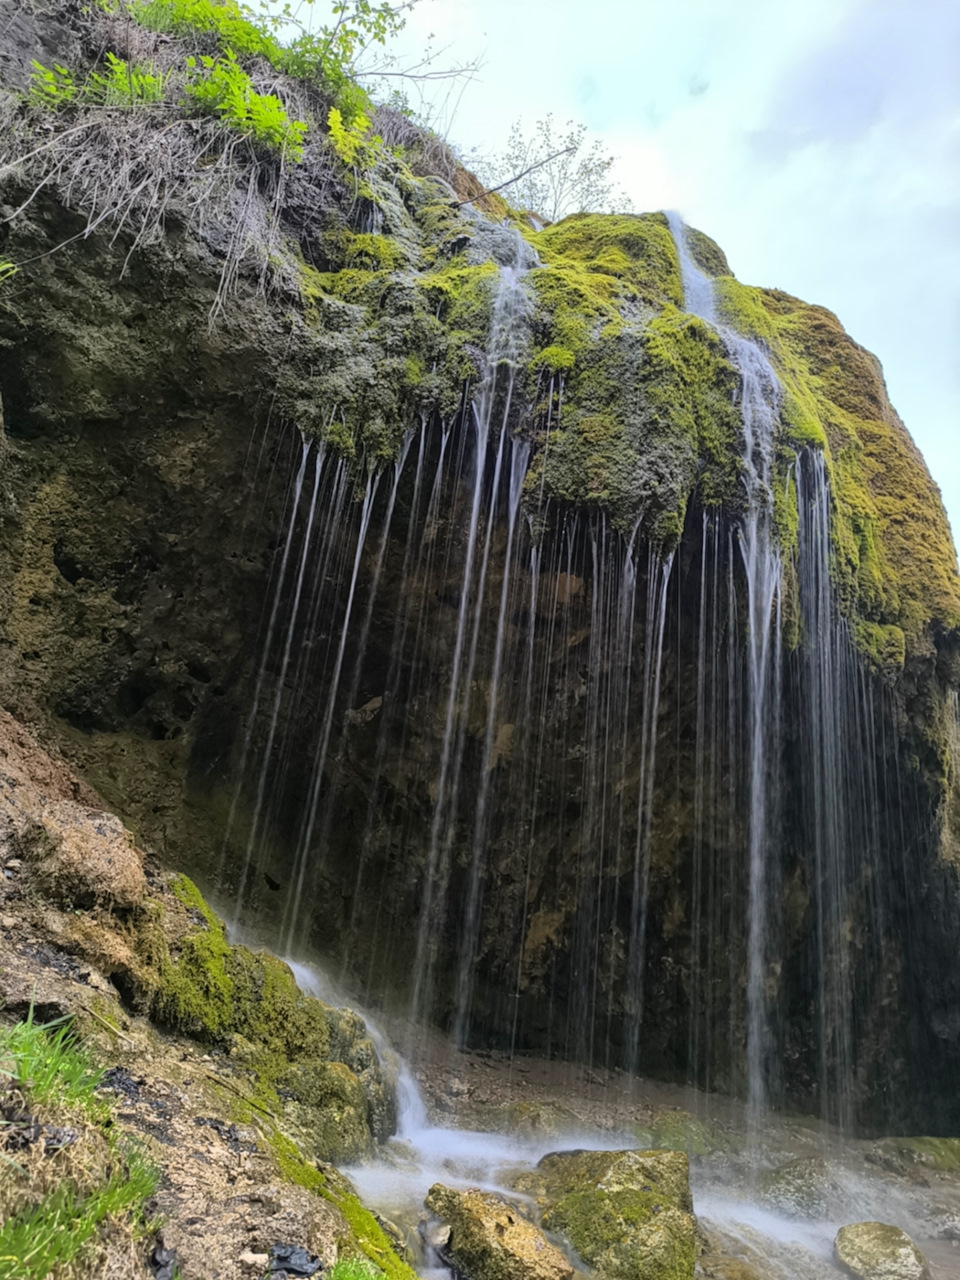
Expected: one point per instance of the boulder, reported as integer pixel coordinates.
(86, 858)
(491, 1240)
(678, 1130)
(803, 1188)
(533, 1119)
(629, 1214)
(876, 1251)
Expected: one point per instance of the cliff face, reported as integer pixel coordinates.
(358, 543)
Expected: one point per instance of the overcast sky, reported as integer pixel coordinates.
(818, 141)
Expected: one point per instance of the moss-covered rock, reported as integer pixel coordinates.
(805, 1188)
(491, 1240)
(678, 1130)
(930, 1153)
(317, 1060)
(629, 1214)
(876, 1251)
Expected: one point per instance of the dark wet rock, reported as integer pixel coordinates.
(289, 1262)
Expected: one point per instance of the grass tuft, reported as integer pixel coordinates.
(55, 1205)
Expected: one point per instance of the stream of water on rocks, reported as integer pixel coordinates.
(770, 1203)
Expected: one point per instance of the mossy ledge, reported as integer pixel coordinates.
(353, 301)
(300, 1056)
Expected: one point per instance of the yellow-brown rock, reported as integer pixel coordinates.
(491, 1240)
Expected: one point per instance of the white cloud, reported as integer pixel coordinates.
(817, 142)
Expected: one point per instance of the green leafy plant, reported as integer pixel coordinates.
(325, 58)
(123, 85)
(7, 269)
(234, 26)
(221, 87)
(349, 140)
(51, 86)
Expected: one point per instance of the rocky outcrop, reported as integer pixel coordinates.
(74, 881)
(238, 432)
(628, 1214)
(489, 1239)
(875, 1251)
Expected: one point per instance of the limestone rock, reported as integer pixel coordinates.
(490, 1240)
(876, 1251)
(803, 1189)
(84, 857)
(678, 1130)
(629, 1214)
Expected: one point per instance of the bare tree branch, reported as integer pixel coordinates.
(517, 176)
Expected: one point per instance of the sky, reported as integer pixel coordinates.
(817, 141)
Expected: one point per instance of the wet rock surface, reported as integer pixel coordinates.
(628, 1214)
(490, 1239)
(876, 1251)
(804, 1188)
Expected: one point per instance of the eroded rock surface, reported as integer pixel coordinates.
(876, 1251)
(628, 1214)
(491, 1240)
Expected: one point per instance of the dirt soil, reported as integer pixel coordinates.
(223, 1199)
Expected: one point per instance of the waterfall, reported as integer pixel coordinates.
(759, 400)
(507, 332)
(555, 789)
(825, 716)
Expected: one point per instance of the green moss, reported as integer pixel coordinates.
(681, 1131)
(375, 252)
(648, 418)
(627, 1234)
(894, 564)
(884, 646)
(932, 1153)
(554, 359)
(632, 254)
(288, 1043)
(194, 991)
(367, 1238)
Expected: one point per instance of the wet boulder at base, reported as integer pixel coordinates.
(803, 1188)
(677, 1130)
(491, 1240)
(877, 1251)
(629, 1214)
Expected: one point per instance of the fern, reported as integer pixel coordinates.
(51, 87)
(123, 85)
(230, 22)
(350, 141)
(221, 87)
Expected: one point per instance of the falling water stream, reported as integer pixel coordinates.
(779, 1245)
(543, 651)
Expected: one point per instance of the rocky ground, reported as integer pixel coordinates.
(237, 1177)
(241, 1168)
